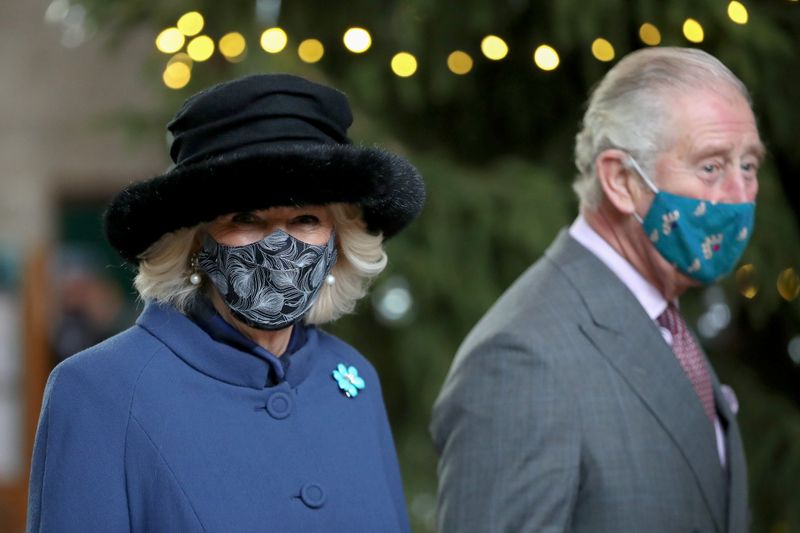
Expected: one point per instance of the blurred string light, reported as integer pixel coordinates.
(170, 41)
(717, 315)
(737, 12)
(693, 31)
(357, 40)
(494, 48)
(310, 51)
(200, 48)
(404, 64)
(602, 50)
(789, 284)
(459, 62)
(649, 34)
(746, 281)
(177, 75)
(274, 40)
(546, 57)
(191, 23)
(794, 349)
(233, 46)
(392, 302)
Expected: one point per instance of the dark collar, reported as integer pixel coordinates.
(227, 356)
(202, 312)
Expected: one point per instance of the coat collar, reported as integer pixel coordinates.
(631, 342)
(220, 360)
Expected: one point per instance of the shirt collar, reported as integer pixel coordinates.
(648, 296)
(225, 354)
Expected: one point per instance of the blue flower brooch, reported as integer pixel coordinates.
(348, 379)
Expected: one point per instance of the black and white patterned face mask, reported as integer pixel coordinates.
(272, 283)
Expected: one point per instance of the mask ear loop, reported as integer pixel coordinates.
(631, 163)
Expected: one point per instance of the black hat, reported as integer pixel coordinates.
(257, 142)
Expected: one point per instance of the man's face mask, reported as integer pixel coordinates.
(702, 239)
(272, 283)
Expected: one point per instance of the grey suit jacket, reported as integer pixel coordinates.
(565, 410)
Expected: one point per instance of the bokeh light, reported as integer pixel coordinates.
(233, 46)
(181, 57)
(737, 12)
(494, 48)
(177, 75)
(746, 281)
(392, 302)
(357, 40)
(459, 62)
(602, 50)
(789, 284)
(546, 57)
(200, 48)
(310, 51)
(693, 31)
(649, 34)
(274, 40)
(170, 41)
(404, 64)
(191, 23)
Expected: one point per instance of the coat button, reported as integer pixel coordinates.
(279, 405)
(313, 495)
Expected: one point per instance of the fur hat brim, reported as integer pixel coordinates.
(388, 189)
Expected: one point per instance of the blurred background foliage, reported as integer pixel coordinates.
(495, 147)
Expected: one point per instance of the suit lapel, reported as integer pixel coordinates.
(624, 334)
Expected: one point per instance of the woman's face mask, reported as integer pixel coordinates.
(702, 239)
(272, 283)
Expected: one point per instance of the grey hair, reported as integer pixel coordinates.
(627, 109)
(164, 268)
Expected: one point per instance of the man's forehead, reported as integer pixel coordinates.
(714, 119)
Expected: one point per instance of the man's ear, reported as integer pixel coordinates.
(615, 178)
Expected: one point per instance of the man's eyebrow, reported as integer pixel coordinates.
(756, 149)
(759, 150)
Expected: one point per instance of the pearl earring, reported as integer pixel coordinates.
(195, 278)
(330, 279)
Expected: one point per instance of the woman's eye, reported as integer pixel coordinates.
(244, 218)
(305, 220)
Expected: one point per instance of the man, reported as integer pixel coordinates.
(581, 402)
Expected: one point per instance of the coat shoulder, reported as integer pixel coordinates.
(539, 309)
(108, 369)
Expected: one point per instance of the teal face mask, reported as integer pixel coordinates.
(704, 240)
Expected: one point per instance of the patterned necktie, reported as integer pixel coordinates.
(690, 357)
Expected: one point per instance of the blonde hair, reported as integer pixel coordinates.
(627, 110)
(164, 267)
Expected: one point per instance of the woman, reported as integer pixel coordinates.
(225, 408)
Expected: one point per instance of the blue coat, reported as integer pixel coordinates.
(162, 428)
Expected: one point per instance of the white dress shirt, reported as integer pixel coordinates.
(648, 296)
